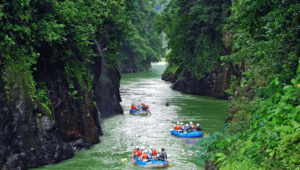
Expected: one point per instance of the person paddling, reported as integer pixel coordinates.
(163, 155)
(145, 156)
(198, 128)
(144, 107)
(167, 104)
(154, 152)
(140, 152)
(180, 127)
(176, 126)
(135, 151)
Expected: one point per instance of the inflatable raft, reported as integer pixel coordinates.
(152, 163)
(194, 134)
(140, 112)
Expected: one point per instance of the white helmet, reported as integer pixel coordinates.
(151, 147)
(198, 124)
(191, 123)
(187, 124)
(177, 123)
(142, 148)
(137, 147)
(181, 123)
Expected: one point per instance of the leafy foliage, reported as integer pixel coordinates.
(144, 45)
(60, 32)
(194, 31)
(265, 131)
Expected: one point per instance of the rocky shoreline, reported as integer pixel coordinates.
(213, 84)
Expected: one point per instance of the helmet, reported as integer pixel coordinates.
(142, 148)
(187, 124)
(181, 123)
(198, 124)
(137, 147)
(191, 123)
(143, 104)
(151, 147)
(162, 149)
(177, 123)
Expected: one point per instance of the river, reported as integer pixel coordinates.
(123, 132)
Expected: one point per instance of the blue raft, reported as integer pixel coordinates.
(152, 163)
(140, 112)
(194, 134)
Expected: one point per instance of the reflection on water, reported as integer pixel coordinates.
(123, 132)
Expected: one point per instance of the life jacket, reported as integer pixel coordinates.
(194, 126)
(176, 127)
(135, 151)
(145, 156)
(133, 107)
(154, 152)
(147, 107)
(140, 153)
(180, 128)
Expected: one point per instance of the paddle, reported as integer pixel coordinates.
(126, 159)
(205, 134)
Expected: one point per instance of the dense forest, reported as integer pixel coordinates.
(263, 126)
(144, 45)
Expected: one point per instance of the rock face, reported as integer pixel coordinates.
(106, 85)
(27, 140)
(213, 84)
(33, 134)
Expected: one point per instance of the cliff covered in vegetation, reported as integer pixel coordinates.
(145, 44)
(196, 42)
(262, 129)
(59, 77)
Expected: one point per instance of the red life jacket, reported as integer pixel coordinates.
(147, 107)
(176, 127)
(194, 127)
(154, 152)
(145, 156)
(140, 153)
(180, 128)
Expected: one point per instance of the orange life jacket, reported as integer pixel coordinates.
(145, 156)
(194, 127)
(176, 127)
(135, 151)
(139, 153)
(147, 107)
(154, 152)
(180, 128)
(133, 107)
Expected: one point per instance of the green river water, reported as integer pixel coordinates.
(123, 132)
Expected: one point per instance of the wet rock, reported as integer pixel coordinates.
(80, 145)
(213, 84)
